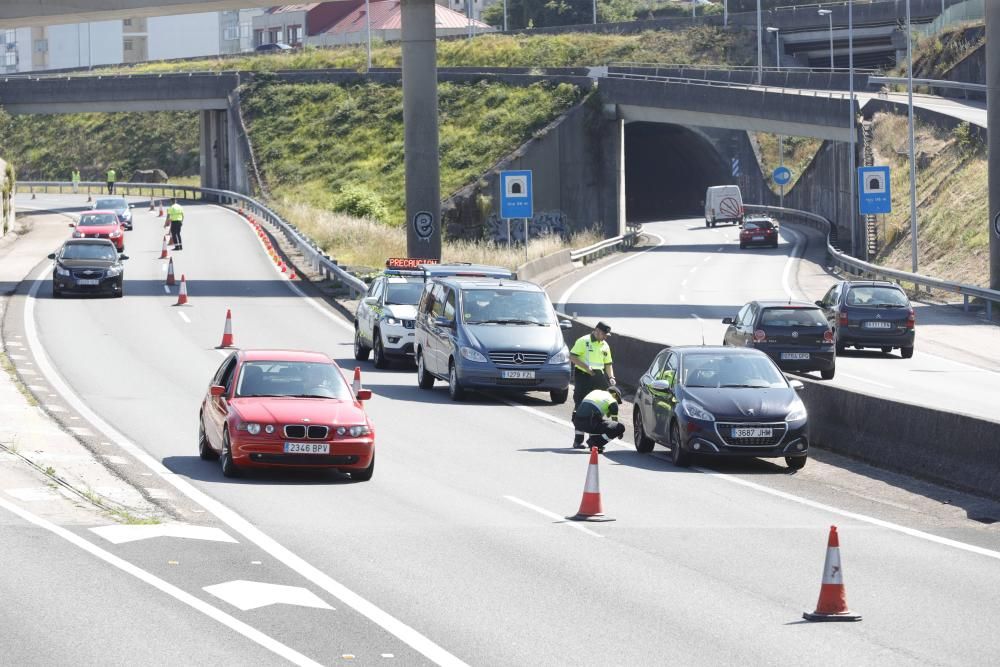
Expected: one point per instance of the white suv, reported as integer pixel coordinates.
(383, 323)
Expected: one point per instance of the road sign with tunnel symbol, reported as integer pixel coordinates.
(515, 194)
(874, 191)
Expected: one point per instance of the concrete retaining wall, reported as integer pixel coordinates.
(547, 268)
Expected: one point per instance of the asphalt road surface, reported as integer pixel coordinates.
(456, 551)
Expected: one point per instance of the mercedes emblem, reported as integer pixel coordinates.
(518, 358)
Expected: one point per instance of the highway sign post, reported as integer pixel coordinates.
(516, 200)
(874, 191)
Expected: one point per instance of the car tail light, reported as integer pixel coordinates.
(759, 336)
(828, 336)
(842, 317)
(911, 319)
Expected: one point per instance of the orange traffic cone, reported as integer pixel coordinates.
(170, 273)
(292, 275)
(590, 506)
(164, 253)
(356, 385)
(832, 605)
(227, 333)
(160, 214)
(284, 269)
(182, 296)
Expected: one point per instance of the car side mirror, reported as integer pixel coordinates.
(444, 322)
(820, 304)
(661, 386)
(217, 390)
(72, 224)
(797, 385)
(727, 320)
(122, 257)
(565, 324)
(52, 255)
(370, 300)
(364, 394)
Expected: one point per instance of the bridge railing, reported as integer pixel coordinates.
(607, 246)
(862, 269)
(932, 83)
(744, 68)
(320, 261)
(732, 85)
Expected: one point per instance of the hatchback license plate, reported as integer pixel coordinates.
(877, 324)
(795, 356)
(758, 238)
(518, 375)
(752, 433)
(307, 448)
(88, 281)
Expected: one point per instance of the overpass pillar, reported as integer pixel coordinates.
(214, 150)
(993, 123)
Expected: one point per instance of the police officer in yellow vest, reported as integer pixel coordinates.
(175, 216)
(592, 369)
(598, 415)
(76, 180)
(111, 181)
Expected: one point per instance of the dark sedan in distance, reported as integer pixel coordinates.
(870, 313)
(720, 401)
(120, 206)
(793, 333)
(88, 266)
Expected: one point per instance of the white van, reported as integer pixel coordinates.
(723, 203)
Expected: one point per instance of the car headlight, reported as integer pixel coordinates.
(472, 355)
(392, 321)
(114, 271)
(695, 411)
(60, 271)
(353, 431)
(253, 429)
(560, 357)
(115, 234)
(269, 429)
(796, 413)
(78, 235)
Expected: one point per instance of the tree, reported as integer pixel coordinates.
(547, 13)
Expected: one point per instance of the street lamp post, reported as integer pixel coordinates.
(725, 13)
(913, 153)
(505, 15)
(854, 133)
(368, 31)
(760, 48)
(781, 140)
(828, 13)
(595, 12)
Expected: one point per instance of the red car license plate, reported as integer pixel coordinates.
(307, 448)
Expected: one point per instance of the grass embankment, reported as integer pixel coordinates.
(799, 152)
(695, 45)
(952, 202)
(934, 55)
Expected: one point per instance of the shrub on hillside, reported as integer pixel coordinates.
(360, 202)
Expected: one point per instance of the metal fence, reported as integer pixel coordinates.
(861, 269)
(607, 246)
(318, 260)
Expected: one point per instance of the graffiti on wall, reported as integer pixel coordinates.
(545, 223)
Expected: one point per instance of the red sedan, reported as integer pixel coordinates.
(285, 409)
(101, 225)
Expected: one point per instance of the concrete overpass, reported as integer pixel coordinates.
(27, 13)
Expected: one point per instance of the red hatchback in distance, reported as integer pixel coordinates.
(285, 409)
(758, 231)
(101, 225)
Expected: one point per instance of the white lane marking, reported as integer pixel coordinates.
(115, 460)
(864, 379)
(247, 595)
(214, 613)
(912, 532)
(683, 298)
(166, 289)
(538, 413)
(81, 431)
(237, 523)
(918, 353)
(121, 534)
(793, 257)
(553, 515)
(694, 269)
(326, 312)
(684, 283)
(181, 314)
(561, 306)
(707, 258)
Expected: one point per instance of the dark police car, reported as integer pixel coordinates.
(720, 401)
(88, 266)
(793, 333)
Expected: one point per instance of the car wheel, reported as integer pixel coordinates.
(795, 462)
(680, 458)
(360, 349)
(886, 349)
(643, 443)
(839, 347)
(378, 351)
(455, 389)
(121, 290)
(56, 294)
(828, 373)
(205, 450)
(559, 396)
(906, 352)
(707, 224)
(365, 474)
(424, 379)
(229, 467)
(742, 246)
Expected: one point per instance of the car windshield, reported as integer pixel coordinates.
(97, 219)
(875, 295)
(727, 370)
(506, 306)
(115, 204)
(404, 293)
(89, 251)
(301, 379)
(792, 317)
(757, 224)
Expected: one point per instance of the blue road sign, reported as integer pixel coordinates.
(782, 175)
(516, 195)
(736, 167)
(874, 192)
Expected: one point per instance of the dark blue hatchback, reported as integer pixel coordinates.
(793, 333)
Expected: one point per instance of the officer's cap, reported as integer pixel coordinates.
(603, 327)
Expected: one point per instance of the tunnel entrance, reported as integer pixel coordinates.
(667, 169)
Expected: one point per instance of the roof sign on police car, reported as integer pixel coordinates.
(874, 191)
(515, 195)
(407, 262)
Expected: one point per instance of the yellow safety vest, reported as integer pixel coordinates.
(175, 212)
(76, 177)
(602, 400)
(111, 175)
(596, 354)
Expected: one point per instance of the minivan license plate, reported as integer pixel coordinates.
(877, 324)
(307, 448)
(518, 375)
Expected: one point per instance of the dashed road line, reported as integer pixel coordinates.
(864, 379)
(183, 316)
(166, 289)
(553, 515)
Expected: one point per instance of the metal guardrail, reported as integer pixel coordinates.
(746, 68)
(607, 246)
(320, 261)
(805, 92)
(933, 83)
(863, 269)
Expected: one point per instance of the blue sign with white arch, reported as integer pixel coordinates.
(782, 175)
(874, 191)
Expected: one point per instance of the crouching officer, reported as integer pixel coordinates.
(592, 369)
(598, 415)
